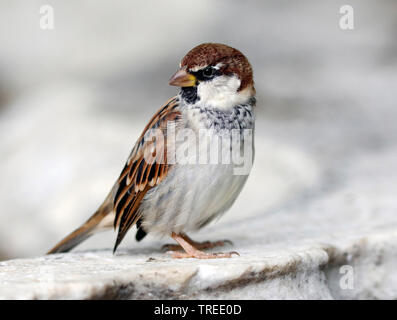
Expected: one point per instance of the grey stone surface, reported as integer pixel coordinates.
(299, 271)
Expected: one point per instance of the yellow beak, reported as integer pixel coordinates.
(183, 79)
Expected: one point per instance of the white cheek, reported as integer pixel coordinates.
(221, 92)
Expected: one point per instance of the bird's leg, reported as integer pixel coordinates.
(192, 252)
(198, 245)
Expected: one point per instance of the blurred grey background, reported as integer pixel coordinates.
(74, 99)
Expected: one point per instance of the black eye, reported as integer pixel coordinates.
(208, 72)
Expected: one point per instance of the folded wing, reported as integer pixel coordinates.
(145, 169)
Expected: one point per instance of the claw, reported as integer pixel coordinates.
(201, 255)
(198, 245)
(191, 249)
(234, 252)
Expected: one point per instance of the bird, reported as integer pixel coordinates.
(168, 187)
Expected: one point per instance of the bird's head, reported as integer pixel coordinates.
(215, 75)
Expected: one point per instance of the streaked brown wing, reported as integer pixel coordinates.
(139, 175)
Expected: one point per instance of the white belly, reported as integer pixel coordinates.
(190, 197)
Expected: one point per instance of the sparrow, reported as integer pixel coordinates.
(161, 189)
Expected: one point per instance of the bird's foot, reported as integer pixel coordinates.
(201, 255)
(198, 245)
(192, 249)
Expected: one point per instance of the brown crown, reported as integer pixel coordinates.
(234, 62)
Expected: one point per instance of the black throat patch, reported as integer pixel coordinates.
(189, 94)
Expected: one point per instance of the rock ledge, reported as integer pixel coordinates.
(301, 272)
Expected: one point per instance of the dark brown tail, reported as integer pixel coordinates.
(91, 226)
